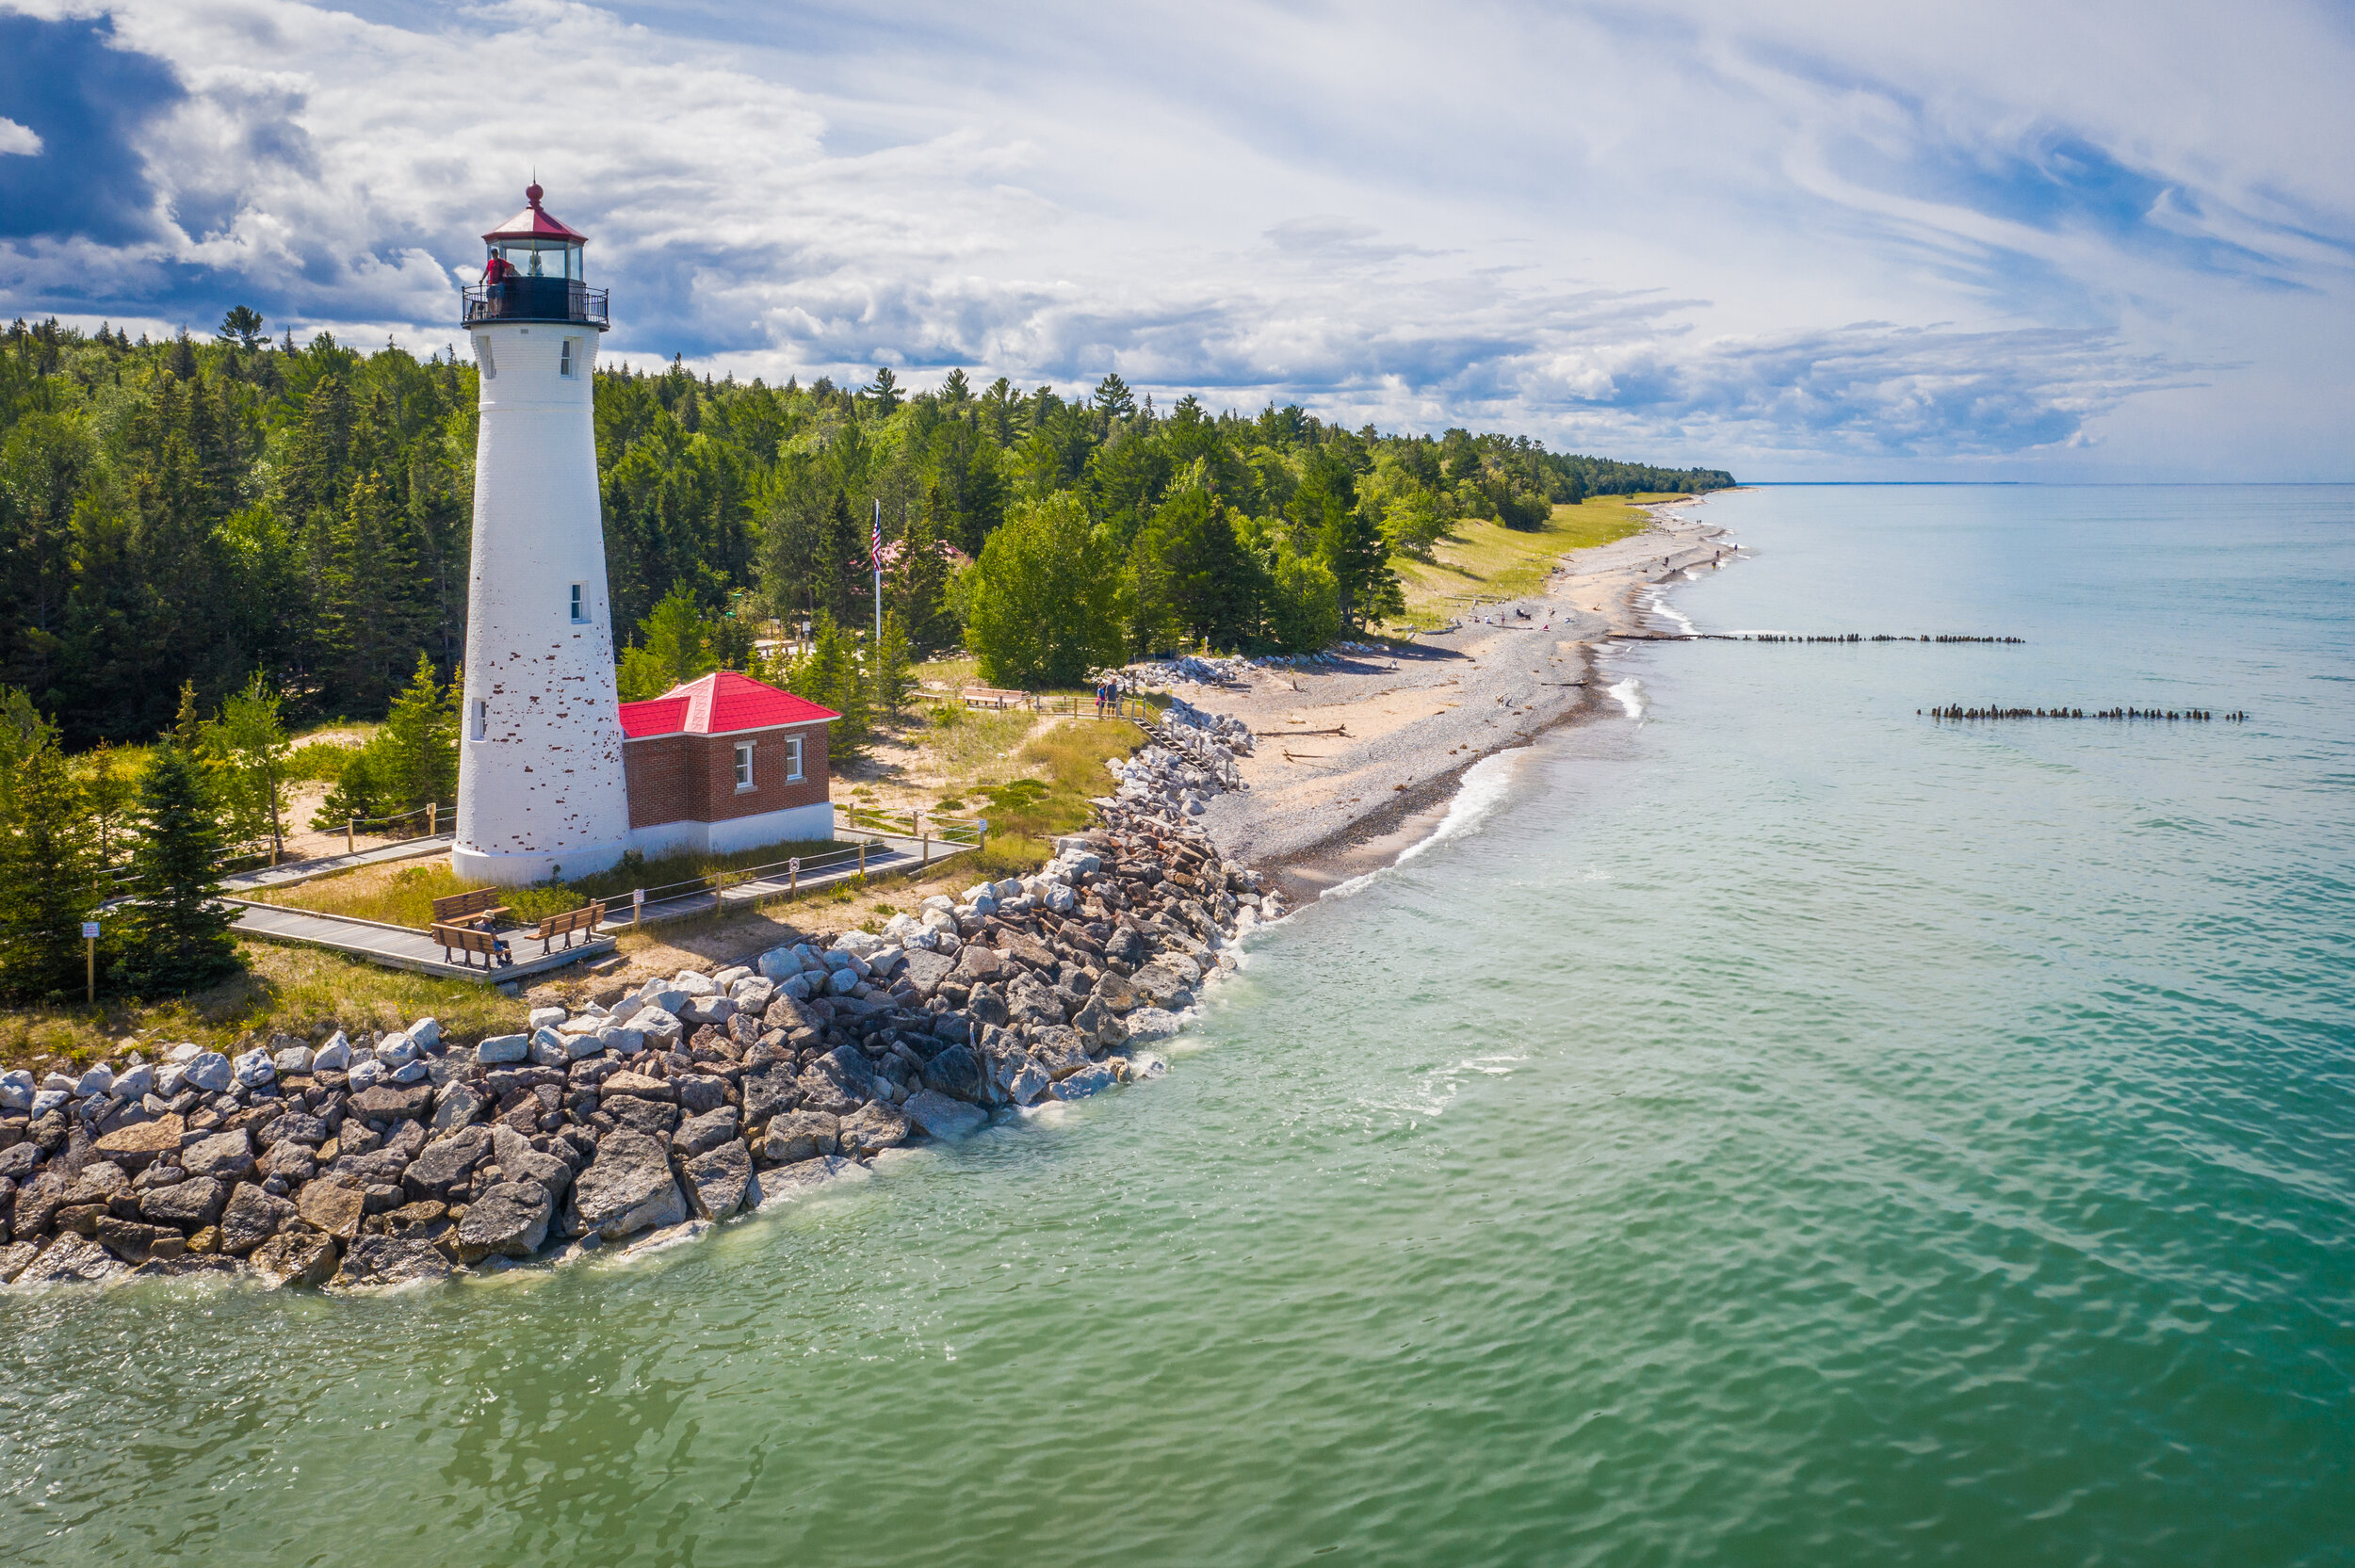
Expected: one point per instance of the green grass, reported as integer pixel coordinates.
(1497, 562)
(285, 988)
(404, 895)
(1061, 769)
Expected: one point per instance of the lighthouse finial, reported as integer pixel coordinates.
(532, 191)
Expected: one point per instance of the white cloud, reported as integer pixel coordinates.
(1645, 232)
(18, 138)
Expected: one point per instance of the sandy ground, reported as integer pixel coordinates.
(1323, 806)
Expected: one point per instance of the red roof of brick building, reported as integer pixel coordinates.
(722, 702)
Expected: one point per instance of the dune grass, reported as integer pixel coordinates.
(1060, 769)
(1497, 562)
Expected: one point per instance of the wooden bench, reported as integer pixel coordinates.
(479, 908)
(564, 925)
(469, 941)
(991, 697)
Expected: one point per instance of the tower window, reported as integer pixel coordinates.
(490, 363)
(743, 765)
(478, 723)
(581, 603)
(564, 359)
(792, 759)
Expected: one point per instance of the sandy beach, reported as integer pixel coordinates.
(1356, 761)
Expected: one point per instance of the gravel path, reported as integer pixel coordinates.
(1413, 723)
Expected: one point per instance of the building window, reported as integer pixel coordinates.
(794, 759)
(564, 359)
(482, 353)
(743, 765)
(581, 603)
(480, 725)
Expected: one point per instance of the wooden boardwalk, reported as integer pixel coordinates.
(401, 947)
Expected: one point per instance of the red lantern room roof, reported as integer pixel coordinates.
(534, 223)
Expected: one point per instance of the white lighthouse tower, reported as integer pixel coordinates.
(540, 790)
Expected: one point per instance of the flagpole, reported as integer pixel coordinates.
(875, 554)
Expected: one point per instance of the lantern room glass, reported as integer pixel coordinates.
(540, 258)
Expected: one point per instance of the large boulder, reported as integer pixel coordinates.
(654, 1118)
(1060, 1050)
(510, 1219)
(719, 1179)
(1092, 1079)
(1033, 1001)
(208, 1071)
(446, 1162)
(500, 1049)
(837, 1083)
(978, 965)
(1150, 1024)
(799, 1135)
(330, 1205)
(135, 1147)
(1028, 1081)
(298, 1257)
(189, 1205)
(519, 1161)
(72, 1260)
(250, 1217)
(458, 1103)
(136, 1243)
(926, 970)
(956, 1072)
(787, 1183)
(937, 1116)
(767, 1091)
(700, 1093)
(225, 1157)
(638, 1086)
(872, 1128)
(390, 1103)
(701, 1134)
(627, 1188)
(381, 1262)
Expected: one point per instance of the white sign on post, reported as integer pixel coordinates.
(638, 896)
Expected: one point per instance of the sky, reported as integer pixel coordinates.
(1839, 241)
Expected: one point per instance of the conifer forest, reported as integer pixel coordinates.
(195, 513)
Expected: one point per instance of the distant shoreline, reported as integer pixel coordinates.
(1324, 808)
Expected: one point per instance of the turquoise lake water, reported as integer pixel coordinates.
(1782, 1129)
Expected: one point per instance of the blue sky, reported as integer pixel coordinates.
(2099, 241)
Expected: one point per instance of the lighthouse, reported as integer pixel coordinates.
(542, 791)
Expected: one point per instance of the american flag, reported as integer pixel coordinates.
(874, 542)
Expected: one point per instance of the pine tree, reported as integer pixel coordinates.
(830, 675)
(890, 680)
(916, 589)
(176, 936)
(247, 749)
(1352, 545)
(109, 790)
(420, 743)
(48, 880)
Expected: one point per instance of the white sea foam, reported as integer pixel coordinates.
(1486, 784)
(1659, 601)
(1629, 694)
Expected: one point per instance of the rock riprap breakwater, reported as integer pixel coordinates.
(406, 1158)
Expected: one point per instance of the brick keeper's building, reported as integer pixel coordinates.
(725, 763)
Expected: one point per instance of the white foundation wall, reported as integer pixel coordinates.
(794, 823)
(541, 789)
